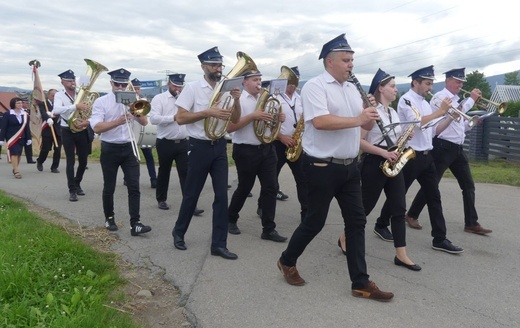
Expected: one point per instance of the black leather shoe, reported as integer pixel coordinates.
(73, 197)
(31, 162)
(413, 267)
(223, 252)
(55, 171)
(198, 212)
(153, 183)
(163, 206)
(274, 236)
(39, 167)
(384, 233)
(80, 192)
(447, 246)
(179, 243)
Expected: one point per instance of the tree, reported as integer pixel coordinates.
(478, 80)
(511, 78)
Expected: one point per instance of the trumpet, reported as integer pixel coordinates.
(456, 114)
(486, 104)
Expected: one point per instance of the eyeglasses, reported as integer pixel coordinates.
(216, 65)
(119, 84)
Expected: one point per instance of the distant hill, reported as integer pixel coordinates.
(13, 89)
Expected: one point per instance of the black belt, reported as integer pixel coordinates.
(260, 146)
(422, 152)
(117, 145)
(446, 144)
(340, 161)
(205, 142)
(174, 140)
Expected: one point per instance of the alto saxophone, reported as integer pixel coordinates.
(391, 169)
(293, 153)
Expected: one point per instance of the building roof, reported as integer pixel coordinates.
(5, 99)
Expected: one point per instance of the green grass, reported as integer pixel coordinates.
(51, 279)
(497, 171)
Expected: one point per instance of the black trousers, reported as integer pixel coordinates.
(373, 182)
(169, 151)
(325, 182)
(206, 157)
(46, 146)
(297, 172)
(423, 170)
(150, 162)
(449, 155)
(252, 161)
(75, 144)
(113, 156)
(28, 153)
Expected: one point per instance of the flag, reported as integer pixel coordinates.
(37, 98)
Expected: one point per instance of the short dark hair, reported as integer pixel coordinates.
(13, 102)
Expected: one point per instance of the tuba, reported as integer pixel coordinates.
(391, 169)
(86, 96)
(214, 127)
(267, 132)
(293, 153)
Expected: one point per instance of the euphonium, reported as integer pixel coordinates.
(267, 132)
(293, 153)
(391, 169)
(214, 127)
(86, 96)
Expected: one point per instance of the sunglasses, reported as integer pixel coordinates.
(119, 84)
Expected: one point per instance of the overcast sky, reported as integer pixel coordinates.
(152, 37)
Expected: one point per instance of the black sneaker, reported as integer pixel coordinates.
(233, 229)
(447, 246)
(73, 197)
(281, 196)
(139, 228)
(39, 166)
(384, 234)
(110, 224)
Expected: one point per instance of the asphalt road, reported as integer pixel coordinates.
(475, 289)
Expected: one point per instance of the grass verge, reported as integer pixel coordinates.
(51, 279)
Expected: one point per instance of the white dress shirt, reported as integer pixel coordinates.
(162, 113)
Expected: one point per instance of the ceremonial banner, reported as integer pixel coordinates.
(36, 99)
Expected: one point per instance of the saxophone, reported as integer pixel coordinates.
(86, 96)
(293, 153)
(391, 169)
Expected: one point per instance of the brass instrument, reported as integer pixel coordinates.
(456, 114)
(293, 153)
(87, 96)
(391, 169)
(214, 127)
(486, 104)
(267, 132)
(140, 107)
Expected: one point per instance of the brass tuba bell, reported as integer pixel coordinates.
(267, 132)
(213, 127)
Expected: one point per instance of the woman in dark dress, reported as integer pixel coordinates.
(15, 130)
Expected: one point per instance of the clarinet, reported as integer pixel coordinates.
(389, 142)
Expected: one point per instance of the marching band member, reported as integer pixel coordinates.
(292, 106)
(15, 129)
(373, 181)
(111, 120)
(448, 153)
(172, 142)
(147, 151)
(73, 142)
(333, 113)
(206, 156)
(422, 167)
(47, 139)
(252, 159)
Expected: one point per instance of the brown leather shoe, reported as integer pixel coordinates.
(412, 223)
(371, 291)
(478, 229)
(290, 274)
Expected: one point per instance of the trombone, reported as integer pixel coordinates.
(456, 114)
(486, 104)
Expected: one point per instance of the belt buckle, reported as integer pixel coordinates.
(426, 152)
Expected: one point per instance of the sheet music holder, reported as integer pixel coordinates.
(125, 97)
(277, 86)
(230, 84)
